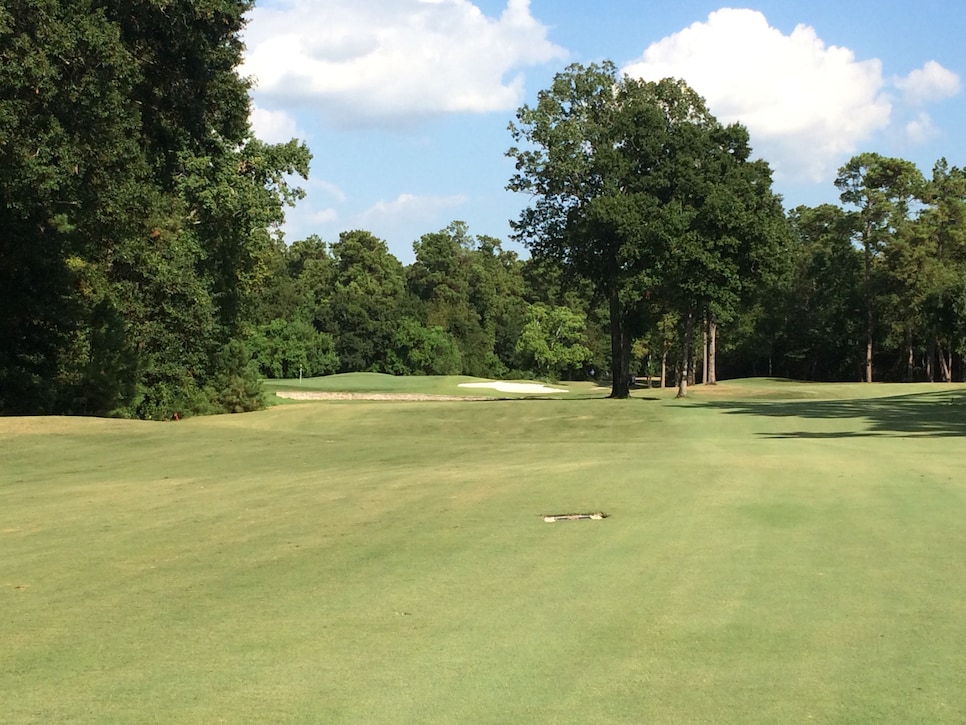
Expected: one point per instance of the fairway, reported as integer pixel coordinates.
(772, 552)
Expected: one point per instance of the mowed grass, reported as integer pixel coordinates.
(376, 383)
(775, 552)
(418, 384)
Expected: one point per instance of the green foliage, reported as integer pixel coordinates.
(420, 350)
(496, 292)
(234, 386)
(292, 348)
(823, 310)
(108, 381)
(140, 217)
(640, 191)
(473, 289)
(923, 269)
(882, 190)
(550, 342)
(368, 287)
(71, 167)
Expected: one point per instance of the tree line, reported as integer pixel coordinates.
(464, 306)
(826, 293)
(143, 271)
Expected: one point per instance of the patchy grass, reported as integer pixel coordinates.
(774, 552)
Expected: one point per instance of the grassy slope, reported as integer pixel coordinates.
(375, 383)
(423, 384)
(767, 560)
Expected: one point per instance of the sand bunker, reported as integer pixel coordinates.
(505, 387)
(498, 385)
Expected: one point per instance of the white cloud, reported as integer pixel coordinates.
(930, 83)
(806, 105)
(382, 61)
(921, 129)
(324, 216)
(273, 126)
(333, 190)
(406, 209)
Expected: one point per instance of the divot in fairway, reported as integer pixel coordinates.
(595, 516)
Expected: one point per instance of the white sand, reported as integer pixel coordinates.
(505, 387)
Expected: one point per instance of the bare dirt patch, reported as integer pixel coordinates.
(595, 516)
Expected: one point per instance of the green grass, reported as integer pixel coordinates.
(421, 384)
(377, 383)
(775, 552)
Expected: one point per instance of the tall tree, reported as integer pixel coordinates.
(942, 225)
(821, 313)
(882, 190)
(497, 295)
(368, 288)
(313, 269)
(72, 176)
(577, 161)
(132, 192)
(441, 278)
(734, 240)
(639, 189)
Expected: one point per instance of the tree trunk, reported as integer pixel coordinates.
(944, 365)
(686, 356)
(626, 359)
(868, 349)
(664, 366)
(619, 382)
(930, 368)
(869, 317)
(704, 348)
(691, 367)
(910, 356)
(711, 361)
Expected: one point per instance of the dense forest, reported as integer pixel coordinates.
(143, 271)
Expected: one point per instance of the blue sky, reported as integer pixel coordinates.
(405, 103)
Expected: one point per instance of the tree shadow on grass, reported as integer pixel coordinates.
(939, 414)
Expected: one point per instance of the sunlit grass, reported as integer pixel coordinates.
(767, 558)
(415, 384)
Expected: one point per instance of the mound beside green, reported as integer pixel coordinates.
(412, 384)
(762, 560)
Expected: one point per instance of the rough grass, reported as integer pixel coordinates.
(775, 552)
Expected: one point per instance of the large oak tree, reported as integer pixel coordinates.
(638, 189)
